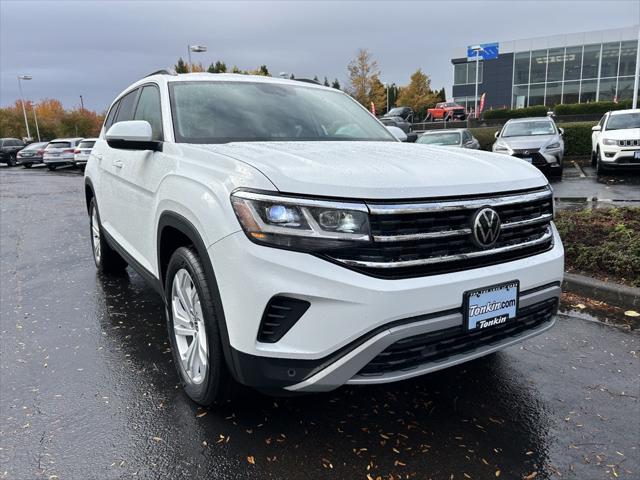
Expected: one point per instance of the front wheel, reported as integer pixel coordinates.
(12, 160)
(106, 259)
(192, 321)
(600, 169)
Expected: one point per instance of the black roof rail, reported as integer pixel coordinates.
(308, 80)
(161, 72)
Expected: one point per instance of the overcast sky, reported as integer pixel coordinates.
(97, 48)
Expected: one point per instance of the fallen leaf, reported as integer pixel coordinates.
(497, 473)
(632, 313)
(531, 476)
(581, 306)
(156, 439)
(251, 460)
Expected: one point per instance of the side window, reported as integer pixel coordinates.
(602, 120)
(149, 109)
(111, 116)
(127, 106)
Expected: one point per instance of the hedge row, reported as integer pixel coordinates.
(593, 108)
(537, 111)
(577, 137)
(590, 108)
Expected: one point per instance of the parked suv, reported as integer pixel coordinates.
(615, 141)
(60, 152)
(82, 152)
(299, 246)
(9, 148)
(535, 140)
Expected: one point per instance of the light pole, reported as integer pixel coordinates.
(196, 49)
(634, 104)
(477, 49)
(24, 110)
(35, 117)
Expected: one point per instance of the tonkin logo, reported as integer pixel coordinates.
(486, 227)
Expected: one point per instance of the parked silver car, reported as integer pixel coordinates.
(535, 140)
(451, 137)
(31, 154)
(60, 152)
(82, 152)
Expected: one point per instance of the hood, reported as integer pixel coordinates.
(528, 142)
(622, 134)
(381, 170)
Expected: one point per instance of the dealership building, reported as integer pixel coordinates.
(568, 68)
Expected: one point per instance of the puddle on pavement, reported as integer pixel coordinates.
(597, 311)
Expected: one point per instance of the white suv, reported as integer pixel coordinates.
(615, 141)
(298, 246)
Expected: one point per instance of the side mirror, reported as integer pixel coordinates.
(132, 135)
(561, 130)
(412, 137)
(398, 133)
(497, 134)
(596, 128)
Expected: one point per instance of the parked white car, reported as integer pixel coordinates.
(615, 141)
(60, 152)
(82, 152)
(299, 246)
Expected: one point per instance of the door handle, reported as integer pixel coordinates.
(118, 164)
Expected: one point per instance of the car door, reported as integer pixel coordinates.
(110, 162)
(137, 180)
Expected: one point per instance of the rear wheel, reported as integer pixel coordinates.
(106, 259)
(192, 320)
(51, 167)
(26, 165)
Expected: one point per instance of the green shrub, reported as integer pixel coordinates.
(602, 243)
(537, 111)
(577, 137)
(590, 108)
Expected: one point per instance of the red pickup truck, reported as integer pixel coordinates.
(446, 111)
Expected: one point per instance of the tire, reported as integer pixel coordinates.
(12, 160)
(593, 158)
(428, 118)
(206, 379)
(27, 165)
(106, 259)
(51, 167)
(447, 118)
(600, 169)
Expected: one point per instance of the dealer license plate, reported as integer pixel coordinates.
(491, 306)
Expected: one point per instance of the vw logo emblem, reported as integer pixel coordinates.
(485, 227)
(526, 152)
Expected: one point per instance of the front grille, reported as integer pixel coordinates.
(412, 352)
(427, 238)
(628, 143)
(534, 154)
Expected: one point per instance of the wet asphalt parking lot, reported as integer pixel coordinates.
(88, 389)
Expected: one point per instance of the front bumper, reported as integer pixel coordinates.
(332, 341)
(620, 157)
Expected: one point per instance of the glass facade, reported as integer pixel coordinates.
(581, 73)
(465, 73)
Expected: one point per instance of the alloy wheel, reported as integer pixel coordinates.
(188, 327)
(95, 236)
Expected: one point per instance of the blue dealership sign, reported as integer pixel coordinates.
(488, 51)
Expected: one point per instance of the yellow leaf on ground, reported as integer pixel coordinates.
(251, 460)
(632, 313)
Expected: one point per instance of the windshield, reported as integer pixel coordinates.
(449, 138)
(526, 129)
(58, 145)
(623, 121)
(221, 112)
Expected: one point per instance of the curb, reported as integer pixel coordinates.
(612, 293)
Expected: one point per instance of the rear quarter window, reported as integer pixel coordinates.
(86, 144)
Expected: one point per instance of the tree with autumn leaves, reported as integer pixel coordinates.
(53, 120)
(366, 87)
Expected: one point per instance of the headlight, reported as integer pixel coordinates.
(609, 141)
(501, 147)
(553, 146)
(300, 223)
